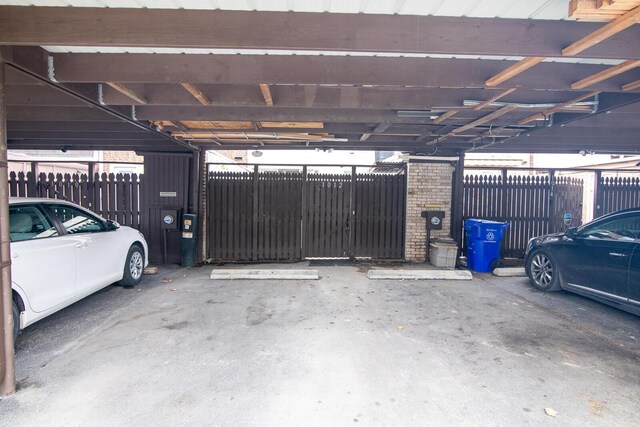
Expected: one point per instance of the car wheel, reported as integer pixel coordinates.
(16, 322)
(133, 267)
(543, 271)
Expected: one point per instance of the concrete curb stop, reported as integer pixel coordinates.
(419, 275)
(238, 274)
(509, 272)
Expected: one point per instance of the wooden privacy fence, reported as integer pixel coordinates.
(292, 216)
(531, 205)
(617, 193)
(112, 196)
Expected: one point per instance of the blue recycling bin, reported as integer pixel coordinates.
(483, 243)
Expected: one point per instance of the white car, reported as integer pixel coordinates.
(61, 252)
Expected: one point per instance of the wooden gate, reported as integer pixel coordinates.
(288, 216)
(532, 205)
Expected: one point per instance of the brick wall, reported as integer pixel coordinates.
(429, 187)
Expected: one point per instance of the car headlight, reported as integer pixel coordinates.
(532, 242)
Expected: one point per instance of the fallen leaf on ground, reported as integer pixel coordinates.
(172, 289)
(400, 327)
(167, 280)
(551, 412)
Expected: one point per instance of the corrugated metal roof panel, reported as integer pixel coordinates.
(99, 49)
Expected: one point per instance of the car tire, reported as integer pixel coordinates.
(543, 271)
(16, 322)
(133, 267)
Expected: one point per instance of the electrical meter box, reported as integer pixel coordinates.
(169, 219)
(434, 219)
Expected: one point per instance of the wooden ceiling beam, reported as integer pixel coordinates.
(73, 26)
(127, 92)
(196, 93)
(266, 94)
(513, 70)
(612, 28)
(297, 70)
(606, 74)
(494, 99)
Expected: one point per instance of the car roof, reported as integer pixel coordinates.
(23, 200)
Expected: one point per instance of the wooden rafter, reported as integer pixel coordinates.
(612, 28)
(559, 107)
(600, 10)
(444, 116)
(127, 92)
(513, 70)
(266, 94)
(606, 74)
(380, 128)
(494, 99)
(196, 93)
(631, 86)
(504, 110)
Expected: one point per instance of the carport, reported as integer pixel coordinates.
(432, 80)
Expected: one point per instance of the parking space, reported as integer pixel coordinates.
(184, 349)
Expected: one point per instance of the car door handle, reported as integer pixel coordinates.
(618, 254)
(14, 255)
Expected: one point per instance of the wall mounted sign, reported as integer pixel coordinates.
(168, 194)
(567, 219)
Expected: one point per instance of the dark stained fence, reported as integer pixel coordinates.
(379, 223)
(567, 199)
(617, 193)
(532, 205)
(328, 223)
(114, 197)
(279, 216)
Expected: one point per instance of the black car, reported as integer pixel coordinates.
(600, 260)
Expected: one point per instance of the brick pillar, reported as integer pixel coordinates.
(429, 187)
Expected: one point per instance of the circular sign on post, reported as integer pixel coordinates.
(435, 220)
(168, 219)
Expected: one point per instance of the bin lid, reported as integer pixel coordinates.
(475, 221)
(443, 241)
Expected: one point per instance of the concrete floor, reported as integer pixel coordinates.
(182, 349)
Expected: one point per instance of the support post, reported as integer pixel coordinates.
(92, 190)
(457, 201)
(352, 212)
(203, 203)
(32, 181)
(503, 195)
(597, 194)
(303, 225)
(7, 365)
(254, 248)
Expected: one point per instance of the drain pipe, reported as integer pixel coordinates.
(7, 366)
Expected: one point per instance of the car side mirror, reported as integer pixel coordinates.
(112, 225)
(571, 232)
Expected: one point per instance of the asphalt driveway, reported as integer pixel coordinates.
(182, 349)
